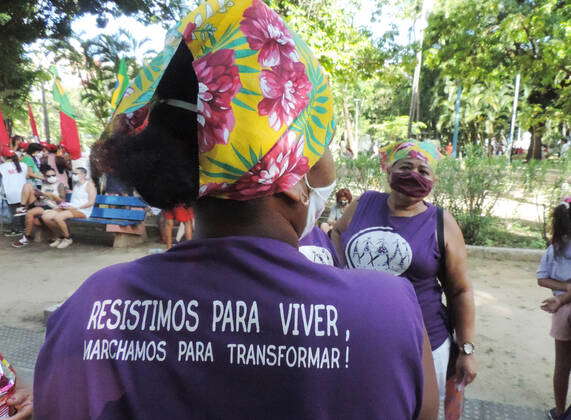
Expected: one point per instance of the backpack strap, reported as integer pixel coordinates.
(441, 275)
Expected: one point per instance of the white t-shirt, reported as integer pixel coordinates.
(13, 181)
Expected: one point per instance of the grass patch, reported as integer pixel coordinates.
(511, 233)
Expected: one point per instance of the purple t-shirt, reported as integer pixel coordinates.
(403, 246)
(317, 247)
(236, 327)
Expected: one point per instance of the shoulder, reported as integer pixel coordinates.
(548, 252)
(115, 280)
(378, 288)
(372, 194)
(384, 306)
(452, 230)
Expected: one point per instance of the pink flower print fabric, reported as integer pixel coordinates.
(218, 83)
(285, 89)
(267, 33)
(285, 85)
(279, 170)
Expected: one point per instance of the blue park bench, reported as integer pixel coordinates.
(121, 214)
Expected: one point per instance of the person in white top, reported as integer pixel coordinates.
(13, 175)
(52, 193)
(80, 206)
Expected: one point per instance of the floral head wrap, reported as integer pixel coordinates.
(265, 109)
(422, 150)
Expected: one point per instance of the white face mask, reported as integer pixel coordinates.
(51, 179)
(317, 200)
(75, 178)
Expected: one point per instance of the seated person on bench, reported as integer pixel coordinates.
(51, 194)
(80, 207)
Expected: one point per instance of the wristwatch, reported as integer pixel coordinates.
(467, 348)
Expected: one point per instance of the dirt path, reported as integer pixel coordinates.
(515, 352)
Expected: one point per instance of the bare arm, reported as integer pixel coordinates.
(59, 197)
(430, 397)
(552, 284)
(91, 194)
(341, 226)
(31, 174)
(553, 303)
(460, 295)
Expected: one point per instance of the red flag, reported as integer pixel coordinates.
(69, 135)
(4, 137)
(33, 122)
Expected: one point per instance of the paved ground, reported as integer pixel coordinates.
(21, 348)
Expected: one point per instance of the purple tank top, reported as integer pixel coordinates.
(317, 247)
(403, 246)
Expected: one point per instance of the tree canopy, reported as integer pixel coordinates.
(480, 45)
(483, 44)
(22, 22)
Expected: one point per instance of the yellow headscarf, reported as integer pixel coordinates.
(265, 109)
(422, 150)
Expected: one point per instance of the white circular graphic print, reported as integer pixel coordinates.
(317, 254)
(379, 248)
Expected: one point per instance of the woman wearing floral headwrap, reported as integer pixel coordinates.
(396, 233)
(234, 117)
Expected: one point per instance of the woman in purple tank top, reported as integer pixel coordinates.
(397, 233)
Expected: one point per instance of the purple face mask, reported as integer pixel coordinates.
(411, 184)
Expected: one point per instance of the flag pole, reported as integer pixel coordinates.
(45, 110)
(456, 122)
(514, 113)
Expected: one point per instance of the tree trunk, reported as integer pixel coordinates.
(348, 128)
(534, 151)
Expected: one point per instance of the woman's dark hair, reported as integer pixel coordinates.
(561, 230)
(343, 192)
(44, 168)
(16, 161)
(160, 162)
(33, 148)
(61, 164)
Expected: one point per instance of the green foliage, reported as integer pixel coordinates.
(510, 233)
(360, 174)
(470, 188)
(364, 71)
(487, 42)
(545, 183)
(23, 22)
(96, 62)
(396, 128)
(485, 111)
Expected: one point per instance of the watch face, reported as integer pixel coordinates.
(468, 348)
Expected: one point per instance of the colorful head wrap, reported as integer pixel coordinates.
(422, 150)
(265, 109)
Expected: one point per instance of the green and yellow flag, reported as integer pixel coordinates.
(121, 84)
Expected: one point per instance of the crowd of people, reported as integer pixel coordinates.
(36, 180)
(265, 313)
